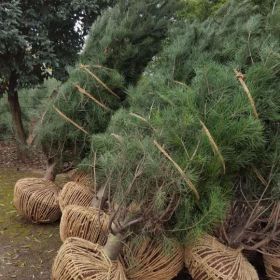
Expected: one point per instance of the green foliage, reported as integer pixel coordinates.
(190, 102)
(32, 102)
(35, 36)
(200, 9)
(120, 44)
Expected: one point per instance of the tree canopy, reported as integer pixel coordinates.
(39, 40)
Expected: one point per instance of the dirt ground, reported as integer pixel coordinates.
(27, 250)
(9, 157)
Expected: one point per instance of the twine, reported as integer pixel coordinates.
(82, 178)
(272, 261)
(74, 193)
(148, 260)
(37, 200)
(209, 259)
(81, 259)
(88, 223)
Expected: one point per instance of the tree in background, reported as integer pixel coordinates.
(32, 102)
(38, 40)
(200, 9)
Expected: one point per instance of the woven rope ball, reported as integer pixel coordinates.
(37, 200)
(82, 259)
(85, 222)
(272, 261)
(74, 193)
(149, 260)
(81, 177)
(208, 259)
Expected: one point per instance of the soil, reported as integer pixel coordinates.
(9, 157)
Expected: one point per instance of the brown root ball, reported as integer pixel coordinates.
(85, 222)
(82, 259)
(150, 260)
(81, 177)
(272, 261)
(74, 193)
(37, 200)
(208, 259)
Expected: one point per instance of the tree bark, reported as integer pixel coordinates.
(100, 198)
(113, 246)
(16, 111)
(51, 171)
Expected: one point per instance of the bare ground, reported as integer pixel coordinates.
(27, 250)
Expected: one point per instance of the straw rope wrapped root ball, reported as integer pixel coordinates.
(85, 222)
(82, 259)
(37, 200)
(150, 260)
(272, 261)
(208, 259)
(75, 193)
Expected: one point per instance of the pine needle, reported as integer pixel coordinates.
(213, 145)
(85, 68)
(69, 120)
(187, 180)
(240, 77)
(84, 92)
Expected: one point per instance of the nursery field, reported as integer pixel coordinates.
(139, 140)
(27, 250)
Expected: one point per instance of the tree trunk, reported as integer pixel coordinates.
(51, 171)
(16, 114)
(100, 198)
(113, 246)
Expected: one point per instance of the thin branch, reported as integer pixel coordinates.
(187, 180)
(213, 144)
(85, 68)
(84, 92)
(240, 77)
(69, 120)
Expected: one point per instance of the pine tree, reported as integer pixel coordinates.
(203, 117)
(191, 131)
(121, 43)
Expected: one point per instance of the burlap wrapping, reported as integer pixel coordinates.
(37, 200)
(74, 193)
(149, 260)
(208, 259)
(82, 259)
(272, 261)
(85, 222)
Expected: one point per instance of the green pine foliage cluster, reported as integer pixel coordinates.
(190, 132)
(200, 9)
(121, 43)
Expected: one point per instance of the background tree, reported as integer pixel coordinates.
(38, 40)
(200, 9)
